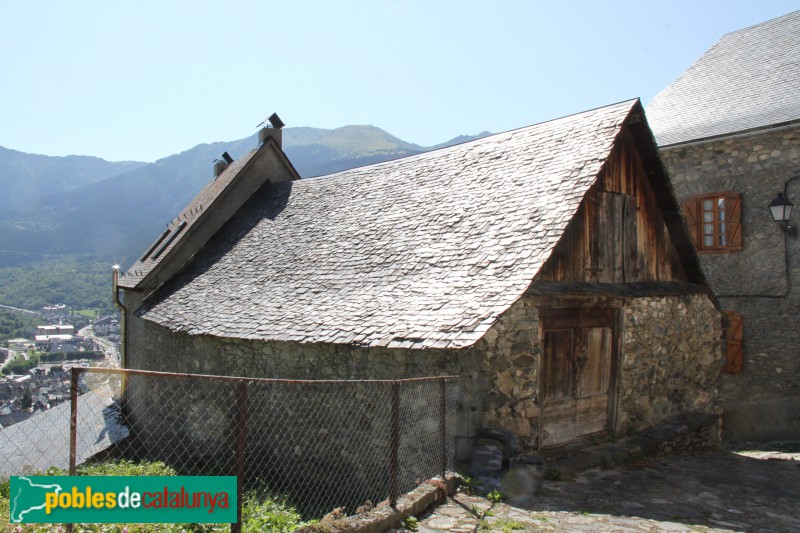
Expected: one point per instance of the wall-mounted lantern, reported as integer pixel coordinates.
(781, 209)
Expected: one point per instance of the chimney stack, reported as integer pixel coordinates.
(219, 167)
(270, 132)
(273, 129)
(221, 164)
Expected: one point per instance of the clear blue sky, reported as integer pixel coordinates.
(145, 79)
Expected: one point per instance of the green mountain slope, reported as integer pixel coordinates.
(94, 212)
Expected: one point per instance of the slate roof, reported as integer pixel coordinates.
(42, 440)
(421, 252)
(193, 215)
(179, 226)
(750, 79)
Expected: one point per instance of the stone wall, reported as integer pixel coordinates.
(500, 372)
(670, 360)
(670, 363)
(763, 401)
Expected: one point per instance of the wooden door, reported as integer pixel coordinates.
(576, 372)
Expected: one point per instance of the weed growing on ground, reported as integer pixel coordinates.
(476, 512)
(467, 485)
(495, 496)
(411, 524)
(505, 525)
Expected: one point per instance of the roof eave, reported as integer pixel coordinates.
(155, 277)
(667, 200)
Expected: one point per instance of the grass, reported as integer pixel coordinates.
(260, 510)
(505, 525)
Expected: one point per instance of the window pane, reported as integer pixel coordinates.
(708, 240)
(722, 240)
(708, 229)
(708, 205)
(708, 216)
(721, 204)
(722, 214)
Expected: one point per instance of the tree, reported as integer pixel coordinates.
(26, 402)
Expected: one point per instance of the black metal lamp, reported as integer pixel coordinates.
(781, 209)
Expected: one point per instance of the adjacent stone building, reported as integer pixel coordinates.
(728, 131)
(549, 267)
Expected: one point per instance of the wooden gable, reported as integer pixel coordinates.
(618, 234)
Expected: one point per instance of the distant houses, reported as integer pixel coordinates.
(58, 329)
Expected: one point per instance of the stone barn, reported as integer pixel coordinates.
(728, 131)
(549, 267)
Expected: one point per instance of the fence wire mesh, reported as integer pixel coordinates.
(318, 445)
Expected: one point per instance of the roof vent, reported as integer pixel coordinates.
(273, 129)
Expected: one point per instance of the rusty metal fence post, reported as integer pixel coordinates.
(73, 419)
(443, 424)
(73, 425)
(241, 450)
(394, 445)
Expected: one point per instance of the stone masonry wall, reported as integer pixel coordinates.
(670, 359)
(500, 374)
(763, 401)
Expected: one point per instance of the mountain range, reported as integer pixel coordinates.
(52, 207)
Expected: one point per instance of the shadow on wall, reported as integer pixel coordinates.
(763, 421)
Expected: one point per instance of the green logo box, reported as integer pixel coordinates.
(122, 499)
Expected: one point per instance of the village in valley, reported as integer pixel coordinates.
(35, 368)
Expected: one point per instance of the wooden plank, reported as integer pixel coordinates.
(610, 229)
(591, 414)
(585, 317)
(558, 364)
(559, 422)
(631, 259)
(594, 371)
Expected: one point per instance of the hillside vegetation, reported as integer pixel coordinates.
(80, 282)
(76, 216)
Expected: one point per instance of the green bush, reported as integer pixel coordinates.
(20, 365)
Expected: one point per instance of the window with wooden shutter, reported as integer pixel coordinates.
(732, 348)
(714, 222)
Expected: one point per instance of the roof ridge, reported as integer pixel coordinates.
(480, 140)
(764, 23)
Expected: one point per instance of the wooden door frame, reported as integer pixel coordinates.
(616, 305)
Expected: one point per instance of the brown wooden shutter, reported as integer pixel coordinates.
(690, 213)
(734, 352)
(733, 214)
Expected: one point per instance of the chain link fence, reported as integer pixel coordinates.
(318, 445)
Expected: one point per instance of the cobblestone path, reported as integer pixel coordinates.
(750, 491)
